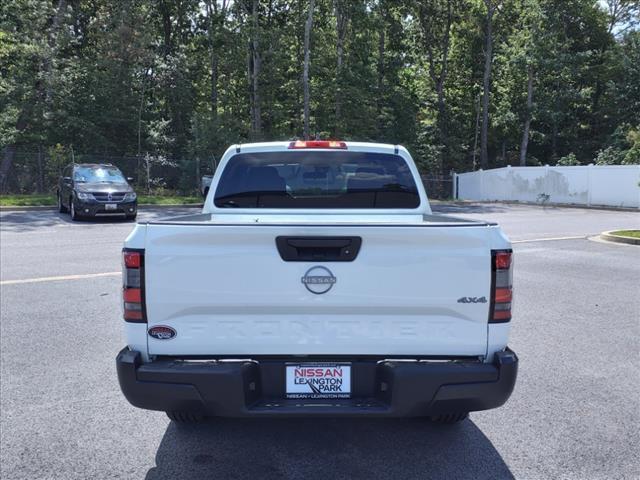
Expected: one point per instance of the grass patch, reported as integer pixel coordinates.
(168, 200)
(627, 233)
(27, 200)
(50, 200)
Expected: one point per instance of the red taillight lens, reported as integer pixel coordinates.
(133, 316)
(132, 295)
(502, 316)
(503, 295)
(131, 259)
(133, 285)
(502, 260)
(318, 144)
(501, 286)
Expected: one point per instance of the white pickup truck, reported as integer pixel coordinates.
(316, 281)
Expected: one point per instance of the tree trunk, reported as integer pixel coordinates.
(143, 89)
(47, 61)
(380, 89)
(305, 74)
(167, 28)
(442, 126)
(475, 134)
(214, 85)
(9, 152)
(438, 67)
(40, 184)
(484, 134)
(341, 30)
(216, 19)
(39, 90)
(554, 137)
(527, 119)
(256, 114)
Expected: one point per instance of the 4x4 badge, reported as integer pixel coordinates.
(472, 300)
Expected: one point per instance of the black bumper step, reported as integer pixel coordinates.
(249, 388)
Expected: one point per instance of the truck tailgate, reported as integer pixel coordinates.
(226, 290)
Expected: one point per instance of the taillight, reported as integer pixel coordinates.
(501, 286)
(133, 285)
(318, 144)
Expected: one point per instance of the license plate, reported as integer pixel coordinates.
(111, 206)
(318, 380)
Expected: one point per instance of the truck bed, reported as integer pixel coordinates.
(434, 220)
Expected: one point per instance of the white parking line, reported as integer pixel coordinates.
(550, 239)
(64, 277)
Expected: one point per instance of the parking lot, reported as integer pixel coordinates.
(575, 412)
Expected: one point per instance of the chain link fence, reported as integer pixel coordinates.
(38, 171)
(438, 187)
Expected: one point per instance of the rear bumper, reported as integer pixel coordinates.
(246, 388)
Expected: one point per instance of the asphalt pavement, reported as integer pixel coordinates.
(575, 412)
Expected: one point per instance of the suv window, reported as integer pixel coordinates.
(98, 173)
(316, 179)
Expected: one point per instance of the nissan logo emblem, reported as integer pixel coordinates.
(319, 280)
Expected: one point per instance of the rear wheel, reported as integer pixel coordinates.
(449, 418)
(185, 417)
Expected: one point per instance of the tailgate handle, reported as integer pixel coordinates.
(312, 249)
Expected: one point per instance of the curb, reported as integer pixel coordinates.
(177, 205)
(452, 202)
(608, 236)
(145, 206)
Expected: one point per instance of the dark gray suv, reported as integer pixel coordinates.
(90, 190)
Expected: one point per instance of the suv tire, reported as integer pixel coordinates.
(61, 207)
(72, 211)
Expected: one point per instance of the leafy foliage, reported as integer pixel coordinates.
(183, 80)
(568, 161)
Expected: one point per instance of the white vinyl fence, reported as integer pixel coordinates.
(610, 185)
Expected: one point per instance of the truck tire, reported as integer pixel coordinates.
(449, 418)
(185, 417)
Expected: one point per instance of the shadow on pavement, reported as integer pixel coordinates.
(328, 448)
(28, 221)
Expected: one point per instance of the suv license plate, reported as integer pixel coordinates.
(318, 380)
(111, 206)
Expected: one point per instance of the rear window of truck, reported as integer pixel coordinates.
(316, 179)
